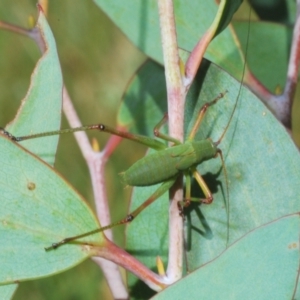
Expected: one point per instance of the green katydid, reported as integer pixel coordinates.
(180, 158)
(163, 166)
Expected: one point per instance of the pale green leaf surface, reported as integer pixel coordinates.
(41, 108)
(7, 291)
(262, 165)
(140, 23)
(262, 265)
(38, 208)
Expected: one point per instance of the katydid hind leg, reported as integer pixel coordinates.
(163, 188)
(141, 139)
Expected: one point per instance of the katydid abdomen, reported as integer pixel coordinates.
(163, 165)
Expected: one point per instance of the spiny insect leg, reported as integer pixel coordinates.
(129, 218)
(188, 191)
(201, 115)
(207, 193)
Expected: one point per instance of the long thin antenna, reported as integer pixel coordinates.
(241, 85)
(227, 126)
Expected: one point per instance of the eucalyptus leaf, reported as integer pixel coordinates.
(262, 265)
(41, 108)
(38, 208)
(262, 166)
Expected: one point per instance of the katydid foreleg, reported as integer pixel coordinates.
(201, 115)
(160, 135)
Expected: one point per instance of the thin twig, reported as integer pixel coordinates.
(281, 105)
(175, 91)
(96, 162)
(196, 56)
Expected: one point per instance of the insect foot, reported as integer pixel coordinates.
(208, 200)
